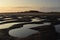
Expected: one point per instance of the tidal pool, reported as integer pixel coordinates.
(57, 27)
(35, 25)
(25, 31)
(36, 19)
(22, 32)
(7, 25)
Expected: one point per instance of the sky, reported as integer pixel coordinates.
(25, 5)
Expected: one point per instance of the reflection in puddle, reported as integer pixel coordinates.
(22, 32)
(36, 19)
(7, 25)
(57, 28)
(19, 17)
(58, 19)
(25, 31)
(35, 25)
(2, 21)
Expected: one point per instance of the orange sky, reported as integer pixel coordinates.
(24, 5)
(16, 9)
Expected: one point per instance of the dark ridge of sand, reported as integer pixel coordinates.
(44, 34)
(48, 33)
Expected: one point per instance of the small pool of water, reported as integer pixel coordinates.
(36, 19)
(35, 25)
(7, 25)
(25, 31)
(22, 32)
(57, 27)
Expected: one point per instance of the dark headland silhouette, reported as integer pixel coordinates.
(31, 12)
